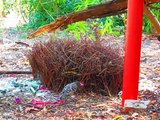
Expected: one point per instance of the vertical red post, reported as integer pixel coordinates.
(132, 50)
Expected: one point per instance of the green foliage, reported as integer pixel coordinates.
(96, 27)
(78, 28)
(109, 25)
(44, 12)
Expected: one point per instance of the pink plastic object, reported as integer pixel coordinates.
(81, 84)
(42, 87)
(36, 102)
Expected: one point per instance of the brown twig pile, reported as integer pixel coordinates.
(60, 62)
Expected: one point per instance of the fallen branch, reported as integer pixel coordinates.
(98, 11)
(22, 43)
(15, 72)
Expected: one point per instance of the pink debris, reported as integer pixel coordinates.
(37, 102)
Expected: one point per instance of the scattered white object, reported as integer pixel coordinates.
(135, 115)
(16, 90)
(120, 93)
(136, 104)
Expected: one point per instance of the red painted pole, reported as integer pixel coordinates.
(132, 50)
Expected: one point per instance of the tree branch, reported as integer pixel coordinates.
(153, 19)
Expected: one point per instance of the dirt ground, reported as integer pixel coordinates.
(13, 50)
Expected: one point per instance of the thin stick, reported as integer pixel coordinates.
(15, 72)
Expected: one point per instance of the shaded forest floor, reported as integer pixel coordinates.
(13, 49)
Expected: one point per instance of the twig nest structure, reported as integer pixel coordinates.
(59, 62)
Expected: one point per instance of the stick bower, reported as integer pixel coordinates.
(59, 62)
